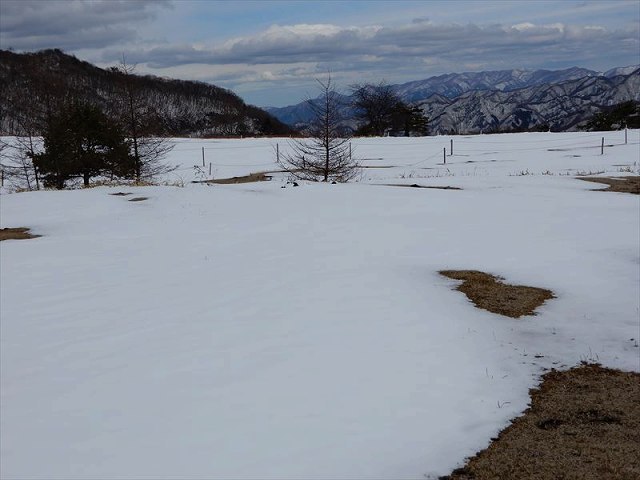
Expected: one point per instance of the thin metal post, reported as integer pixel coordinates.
(444, 155)
(625, 134)
(203, 156)
(209, 168)
(278, 152)
(602, 147)
(451, 150)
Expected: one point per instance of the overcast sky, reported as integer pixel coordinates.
(269, 52)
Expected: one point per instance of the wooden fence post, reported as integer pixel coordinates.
(203, 156)
(602, 147)
(444, 155)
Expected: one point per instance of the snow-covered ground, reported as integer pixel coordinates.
(253, 331)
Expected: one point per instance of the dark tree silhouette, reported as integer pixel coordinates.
(381, 111)
(81, 141)
(374, 105)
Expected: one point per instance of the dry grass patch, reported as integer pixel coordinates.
(18, 233)
(252, 177)
(617, 184)
(120, 194)
(138, 199)
(490, 293)
(415, 185)
(583, 423)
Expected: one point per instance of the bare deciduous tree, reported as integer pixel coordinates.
(139, 120)
(375, 105)
(30, 117)
(325, 155)
(16, 162)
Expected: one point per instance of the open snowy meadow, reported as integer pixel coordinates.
(251, 331)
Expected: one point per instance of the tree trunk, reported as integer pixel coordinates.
(137, 159)
(327, 136)
(35, 169)
(26, 174)
(86, 177)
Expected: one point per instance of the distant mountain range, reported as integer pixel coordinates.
(505, 100)
(29, 81)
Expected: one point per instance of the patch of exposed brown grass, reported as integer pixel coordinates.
(629, 184)
(17, 233)
(491, 293)
(583, 423)
(415, 185)
(252, 177)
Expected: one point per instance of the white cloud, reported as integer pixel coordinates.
(72, 25)
(291, 44)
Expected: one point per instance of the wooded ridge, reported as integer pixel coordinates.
(29, 81)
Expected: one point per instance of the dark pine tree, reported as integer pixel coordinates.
(82, 142)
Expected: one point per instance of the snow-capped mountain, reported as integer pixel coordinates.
(455, 84)
(558, 107)
(620, 71)
(504, 100)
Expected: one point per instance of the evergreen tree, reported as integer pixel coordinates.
(625, 114)
(408, 120)
(82, 142)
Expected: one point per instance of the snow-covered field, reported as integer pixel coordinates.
(253, 331)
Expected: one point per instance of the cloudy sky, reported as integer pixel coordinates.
(270, 52)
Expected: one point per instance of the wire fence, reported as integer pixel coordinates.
(211, 153)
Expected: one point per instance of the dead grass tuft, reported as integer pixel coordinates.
(629, 184)
(138, 199)
(583, 423)
(18, 233)
(120, 194)
(490, 293)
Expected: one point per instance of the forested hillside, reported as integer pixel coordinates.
(31, 84)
